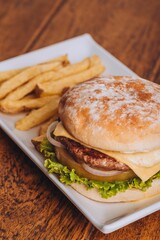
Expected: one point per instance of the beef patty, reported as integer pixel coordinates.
(91, 157)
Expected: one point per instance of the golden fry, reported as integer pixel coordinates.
(26, 75)
(52, 76)
(57, 87)
(49, 79)
(23, 90)
(5, 75)
(24, 104)
(38, 116)
(8, 74)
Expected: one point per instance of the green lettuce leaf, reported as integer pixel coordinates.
(106, 189)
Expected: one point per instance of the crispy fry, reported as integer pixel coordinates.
(52, 76)
(8, 74)
(38, 116)
(44, 126)
(26, 75)
(24, 104)
(57, 87)
(23, 90)
(74, 68)
(5, 75)
(49, 79)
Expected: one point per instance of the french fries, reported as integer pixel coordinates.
(38, 88)
(8, 74)
(26, 75)
(38, 116)
(57, 87)
(52, 76)
(24, 104)
(11, 73)
(29, 86)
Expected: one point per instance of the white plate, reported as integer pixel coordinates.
(106, 217)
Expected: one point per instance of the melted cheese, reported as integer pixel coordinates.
(145, 165)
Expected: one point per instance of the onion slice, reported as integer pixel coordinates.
(50, 129)
(99, 172)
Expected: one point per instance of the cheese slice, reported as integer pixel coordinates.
(145, 165)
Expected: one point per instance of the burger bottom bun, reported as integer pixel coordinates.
(127, 196)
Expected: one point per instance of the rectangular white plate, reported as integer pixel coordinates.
(106, 217)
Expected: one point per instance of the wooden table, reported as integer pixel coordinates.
(31, 207)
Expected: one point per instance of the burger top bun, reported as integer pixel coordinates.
(114, 113)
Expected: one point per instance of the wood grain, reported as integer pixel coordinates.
(31, 207)
(127, 29)
(21, 22)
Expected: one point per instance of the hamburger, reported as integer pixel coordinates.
(107, 142)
